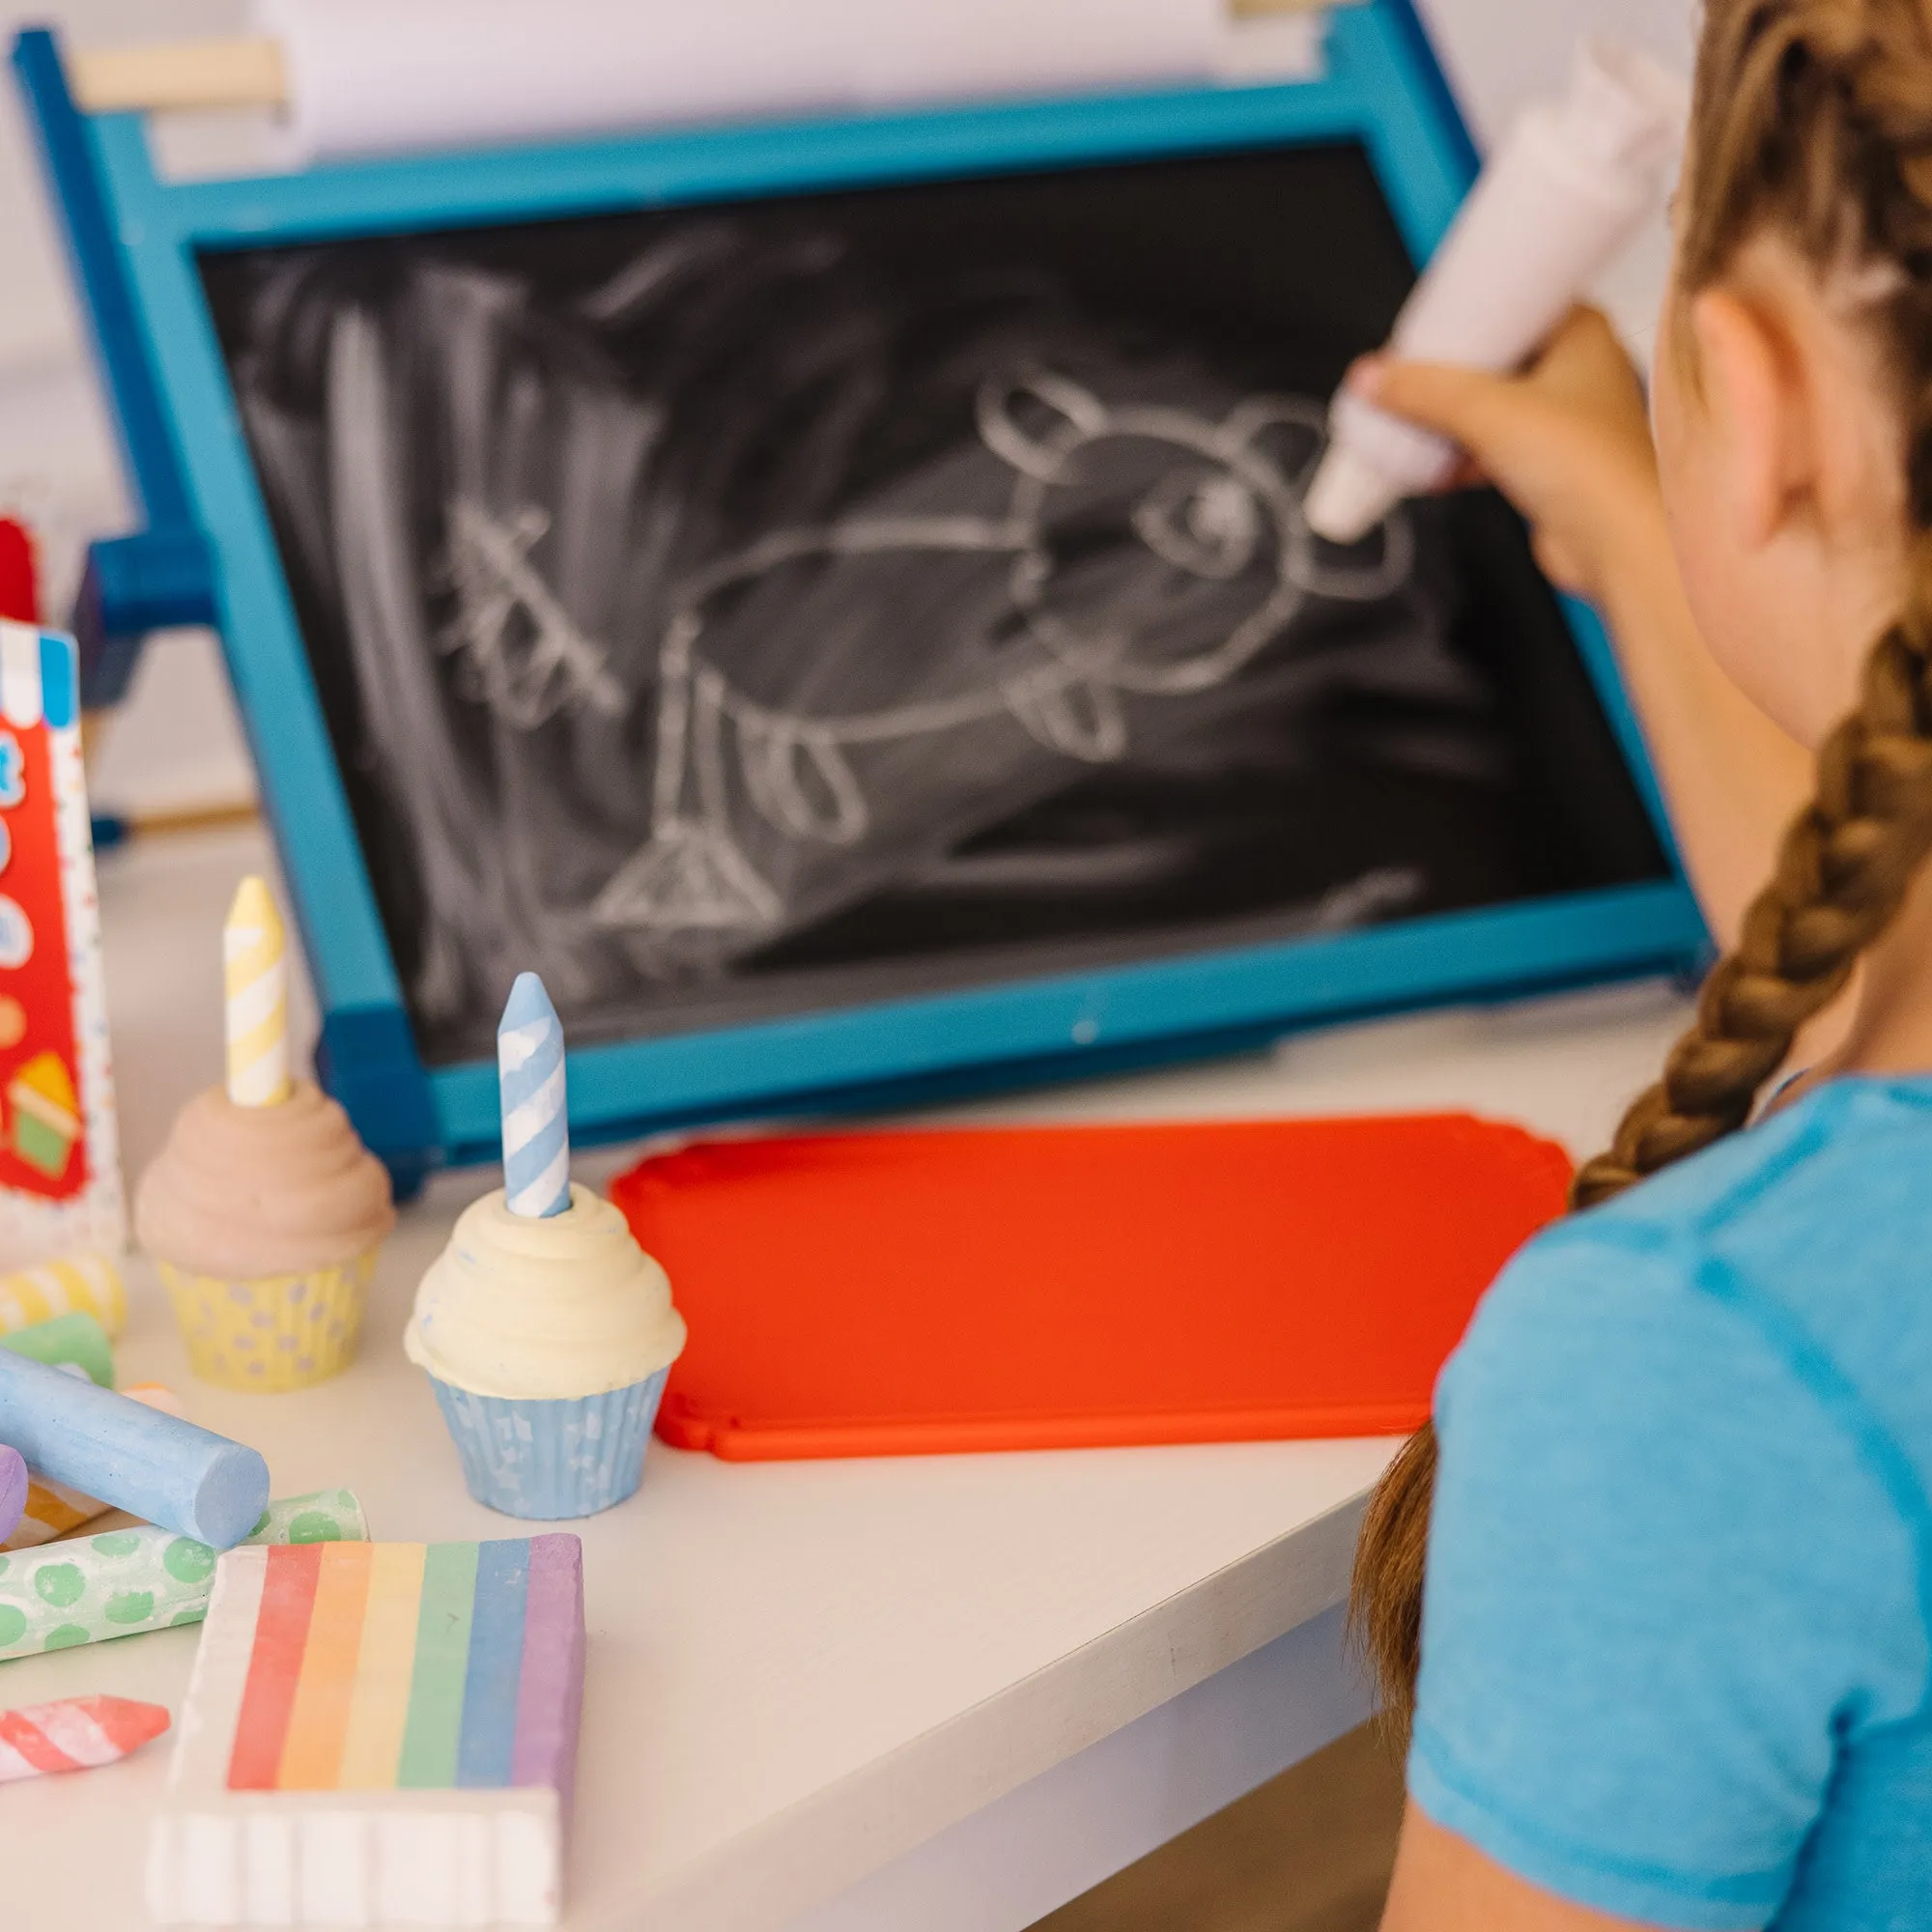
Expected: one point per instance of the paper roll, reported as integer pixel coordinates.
(369, 77)
(124, 1581)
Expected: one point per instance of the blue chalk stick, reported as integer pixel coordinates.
(141, 1460)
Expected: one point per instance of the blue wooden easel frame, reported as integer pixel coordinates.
(206, 554)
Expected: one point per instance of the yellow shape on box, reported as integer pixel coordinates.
(47, 1115)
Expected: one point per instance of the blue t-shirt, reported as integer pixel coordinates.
(1677, 1642)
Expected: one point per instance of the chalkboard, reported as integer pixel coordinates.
(756, 607)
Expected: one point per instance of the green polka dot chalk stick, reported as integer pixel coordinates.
(84, 1589)
(76, 1338)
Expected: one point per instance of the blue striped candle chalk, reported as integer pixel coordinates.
(536, 1124)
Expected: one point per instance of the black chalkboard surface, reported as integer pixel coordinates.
(738, 608)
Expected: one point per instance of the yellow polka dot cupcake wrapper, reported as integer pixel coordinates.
(280, 1332)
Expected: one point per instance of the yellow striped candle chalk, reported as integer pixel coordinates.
(255, 954)
(86, 1284)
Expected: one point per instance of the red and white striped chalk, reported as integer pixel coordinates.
(76, 1734)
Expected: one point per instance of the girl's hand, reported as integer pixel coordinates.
(1568, 443)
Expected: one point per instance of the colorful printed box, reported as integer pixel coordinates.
(60, 1175)
(378, 1734)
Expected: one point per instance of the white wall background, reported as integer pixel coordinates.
(37, 318)
(1501, 52)
(57, 464)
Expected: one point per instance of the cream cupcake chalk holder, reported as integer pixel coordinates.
(546, 1331)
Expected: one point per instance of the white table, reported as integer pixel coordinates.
(866, 1697)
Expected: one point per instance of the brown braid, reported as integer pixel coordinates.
(1813, 121)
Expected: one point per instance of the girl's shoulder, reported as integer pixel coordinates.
(1676, 1562)
(1804, 1244)
(1870, 1136)
(1822, 1203)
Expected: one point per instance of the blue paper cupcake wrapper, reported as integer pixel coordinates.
(547, 1460)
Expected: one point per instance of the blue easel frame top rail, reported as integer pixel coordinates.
(207, 554)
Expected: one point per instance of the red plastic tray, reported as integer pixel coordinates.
(925, 1292)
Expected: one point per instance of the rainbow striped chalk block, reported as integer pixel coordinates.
(378, 1734)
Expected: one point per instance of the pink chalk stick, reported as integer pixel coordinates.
(13, 1491)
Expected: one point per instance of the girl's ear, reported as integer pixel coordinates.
(1759, 416)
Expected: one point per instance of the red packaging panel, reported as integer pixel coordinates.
(37, 1048)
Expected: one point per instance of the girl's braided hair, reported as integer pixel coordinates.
(1813, 120)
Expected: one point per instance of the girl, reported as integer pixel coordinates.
(1676, 1645)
